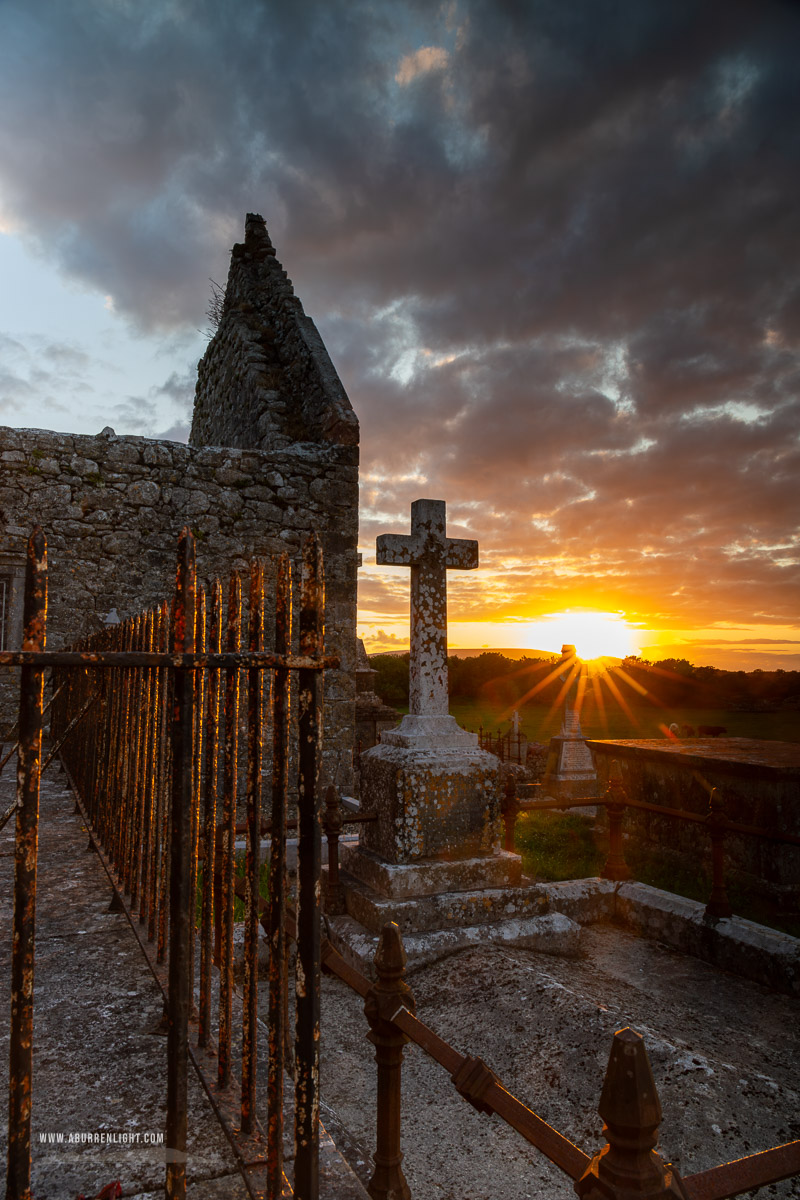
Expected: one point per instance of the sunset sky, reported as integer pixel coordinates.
(552, 248)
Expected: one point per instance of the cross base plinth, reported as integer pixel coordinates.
(432, 861)
(430, 733)
(441, 803)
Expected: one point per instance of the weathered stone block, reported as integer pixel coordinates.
(430, 804)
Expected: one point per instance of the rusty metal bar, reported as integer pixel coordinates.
(757, 1170)
(164, 767)
(164, 787)
(255, 721)
(113, 659)
(229, 800)
(309, 865)
(210, 822)
(18, 1176)
(124, 748)
(151, 702)
(180, 899)
(137, 792)
(278, 964)
(198, 694)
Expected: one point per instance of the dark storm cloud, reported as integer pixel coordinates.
(552, 248)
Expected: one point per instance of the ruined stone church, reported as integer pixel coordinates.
(273, 455)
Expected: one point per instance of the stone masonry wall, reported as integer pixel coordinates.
(758, 783)
(112, 508)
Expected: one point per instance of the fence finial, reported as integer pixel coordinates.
(628, 1166)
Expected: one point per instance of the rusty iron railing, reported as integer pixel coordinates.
(628, 1165)
(509, 747)
(144, 737)
(615, 800)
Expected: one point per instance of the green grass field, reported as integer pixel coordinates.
(539, 724)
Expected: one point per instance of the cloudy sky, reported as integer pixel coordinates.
(551, 246)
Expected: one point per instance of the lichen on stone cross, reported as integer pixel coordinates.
(429, 553)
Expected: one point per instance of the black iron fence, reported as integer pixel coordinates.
(510, 747)
(151, 750)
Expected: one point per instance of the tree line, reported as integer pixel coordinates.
(670, 681)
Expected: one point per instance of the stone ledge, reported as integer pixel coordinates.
(434, 733)
(429, 877)
(552, 933)
(751, 951)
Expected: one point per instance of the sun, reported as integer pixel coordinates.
(593, 634)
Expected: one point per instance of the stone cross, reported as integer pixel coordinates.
(429, 553)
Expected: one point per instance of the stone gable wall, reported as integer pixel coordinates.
(112, 508)
(266, 379)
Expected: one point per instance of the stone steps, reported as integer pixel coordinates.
(445, 910)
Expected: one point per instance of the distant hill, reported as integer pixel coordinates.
(513, 654)
(473, 653)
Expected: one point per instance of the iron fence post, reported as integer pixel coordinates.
(26, 842)
(229, 800)
(383, 1001)
(180, 899)
(309, 864)
(333, 822)
(210, 897)
(255, 722)
(278, 964)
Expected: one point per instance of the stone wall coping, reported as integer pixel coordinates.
(19, 439)
(730, 756)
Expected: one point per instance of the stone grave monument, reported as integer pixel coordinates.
(570, 772)
(373, 716)
(432, 859)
